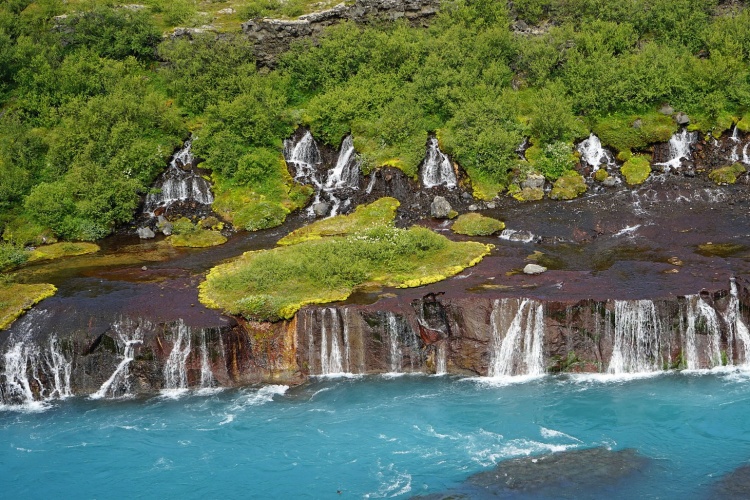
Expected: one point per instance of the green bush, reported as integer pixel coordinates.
(11, 256)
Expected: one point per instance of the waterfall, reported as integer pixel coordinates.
(119, 382)
(594, 154)
(679, 148)
(701, 316)
(330, 352)
(395, 353)
(60, 369)
(19, 360)
(441, 358)
(179, 184)
(175, 370)
(737, 331)
(745, 156)
(437, 168)
(517, 344)
(346, 172)
(207, 375)
(347, 345)
(305, 157)
(371, 184)
(734, 157)
(637, 336)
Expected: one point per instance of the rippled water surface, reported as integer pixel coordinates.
(376, 437)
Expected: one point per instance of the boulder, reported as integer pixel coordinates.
(145, 233)
(568, 186)
(534, 269)
(440, 208)
(666, 110)
(533, 181)
(166, 228)
(321, 208)
(682, 118)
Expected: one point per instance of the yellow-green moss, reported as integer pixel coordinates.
(264, 207)
(570, 185)
(477, 225)
(379, 213)
(59, 250)
(527, 194)
(201, 238)
(727, 175)
(601, 175)
(15, 299)
(744, 124)
(636, 170)
(274, 284)
(618, 131)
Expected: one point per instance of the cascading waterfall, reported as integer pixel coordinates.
(330, 352)
(638, 331)
(347, 344)
(175, 370)
(437, 168)
(745, 156)
(395, 352)
(441, 358)
(679, 148)
(305, 157)
(34, 374)
(737, 331)
(701, 316)
(207, 375)
(371, 184)
(119, 382)
(179, 184)
(734, 157)
(517, 348)
(594, 154)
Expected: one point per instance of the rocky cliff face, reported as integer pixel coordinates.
(274, 36)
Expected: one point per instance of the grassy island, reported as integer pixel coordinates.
(274, 284)
(15, 299)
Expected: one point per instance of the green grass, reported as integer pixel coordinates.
(727, 175)
(15, 299)
(60, 250)
(477, 225)
(200, 238)
(275, 284)
(379, 213)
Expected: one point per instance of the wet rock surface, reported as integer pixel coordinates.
(589, 473)
(735, 485)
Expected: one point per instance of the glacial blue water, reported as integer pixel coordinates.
(375, 437)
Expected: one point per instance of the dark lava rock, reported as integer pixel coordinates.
(736, 484)
(588, 473)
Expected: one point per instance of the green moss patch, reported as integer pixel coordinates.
(477, 225)
(634, 131)
(275, 284)
(720, 249)
(727, 175)
(570, 185)
(59, 250)
(264, 206)
(636, 170)
(187, 234)
(379, 213)
(600, 175)
(15, 299)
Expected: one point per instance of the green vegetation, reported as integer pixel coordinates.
(187, 234)
(59, 250)
(379, 213)
(94, 103)
(568, 186)
(477, 225)
(274, 284)
(727, 175)
(15, 299)
(636, 170)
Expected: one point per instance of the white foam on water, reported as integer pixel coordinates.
(551, 433)
(629, 230)
(393, 483)
(517, 236)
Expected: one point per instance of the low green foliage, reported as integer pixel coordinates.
(187, 234)
(568, 186)
(727, 175)
(379, 213)
(15, 299)
(12, 256)
(626, 132)
(274, 284)
(552, 160)
(477, 225)
(60, 250)
(636, 170)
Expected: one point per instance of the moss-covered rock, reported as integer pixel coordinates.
(744, 124)
(570, 185)
(600, 175)
(202, 238)
(636, 170)
(15, 299)
(618, 131)
(59, 250)
(526, 194)
(477, 225)
(727, 175)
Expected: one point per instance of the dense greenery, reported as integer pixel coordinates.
(366, 250)
(94, 103)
